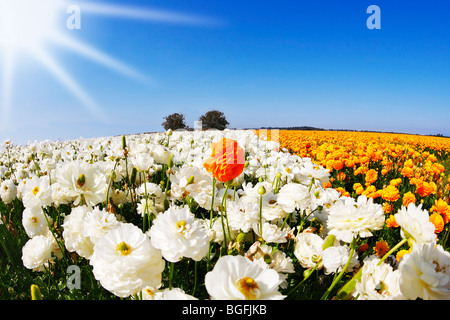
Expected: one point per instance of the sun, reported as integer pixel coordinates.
(26, 25)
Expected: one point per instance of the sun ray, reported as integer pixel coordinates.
(52, 65)
(27, 26)
(7, 87)
(99, 57)
(148, 14)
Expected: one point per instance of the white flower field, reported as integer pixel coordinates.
(174, 216)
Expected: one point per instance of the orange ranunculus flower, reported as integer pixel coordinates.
(371, 176)
(349, 163)
(407, 172)
(227, 160)
(390, 193)
(408, 198)
(391, 223)
(443, 208)
(359, 190)
(338, 164)
(438, 222)
(424, 189)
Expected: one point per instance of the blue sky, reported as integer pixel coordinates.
(263, 63)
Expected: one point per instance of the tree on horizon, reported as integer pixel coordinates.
(174, 121)
(214, 119)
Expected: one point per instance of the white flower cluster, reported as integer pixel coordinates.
(107, 185)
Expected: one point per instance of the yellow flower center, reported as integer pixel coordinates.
(181, 225)
(35, 190)
(249, 288)
(123, 249)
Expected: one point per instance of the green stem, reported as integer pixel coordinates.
(310, 185)
(311, 271)
(260, 219)
(225, 242)
(145, 222)
(212, 203)
(60, 246)
(285, 219)
(171, 269)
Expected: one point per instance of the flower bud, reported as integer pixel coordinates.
(112, 175)
(261, 190)
(240, 238)
(190, 180)
(124, 142)
(329, 241)
(170, 164)
(133, 175)
(35, 293)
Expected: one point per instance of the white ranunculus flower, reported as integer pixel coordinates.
(74, 236)
(142, 162)
(309, 170)
(271, 233)
(125, 262)
(193, 182)
(378, 282)
(160, 153)
(37, 253)
(268, 257)
(349, 218)
(335, 258)
(294, 196)
(84, 182)
(34, 222)
(271, 209)
(238, 278)
(150, 189)
(308, 249)
(8, 191)
(242, 215)
(415, 224)
(425, 273)
(37, 192)
(166, 294)
(177, 233)
(97, 223)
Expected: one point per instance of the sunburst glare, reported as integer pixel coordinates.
(29, 26)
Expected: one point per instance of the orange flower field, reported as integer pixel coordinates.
(393, 169)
